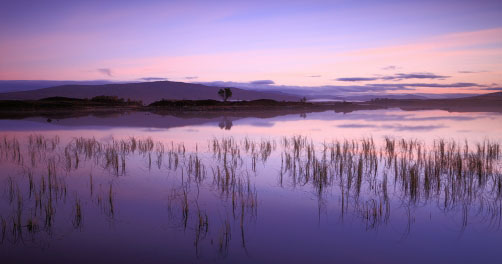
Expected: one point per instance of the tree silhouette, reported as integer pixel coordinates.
(225, 93)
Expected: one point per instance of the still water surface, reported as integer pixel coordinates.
(384, 186)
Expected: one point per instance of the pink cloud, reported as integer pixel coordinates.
(443, 55)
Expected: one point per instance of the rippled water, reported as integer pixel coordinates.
(383, 186)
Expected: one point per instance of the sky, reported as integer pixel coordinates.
(362, 46)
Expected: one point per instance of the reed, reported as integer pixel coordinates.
(368, 176)
(77, 219)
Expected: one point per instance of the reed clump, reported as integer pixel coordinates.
(368, 178)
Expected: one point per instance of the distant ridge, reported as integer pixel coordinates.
(387, 96)
(28, 85)
(147, 92)
(491, 102)
(489, 96)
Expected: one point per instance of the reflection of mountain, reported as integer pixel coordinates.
(168, 119)
(148, 92)
(225, 118)
(491, 102)
(369, 119)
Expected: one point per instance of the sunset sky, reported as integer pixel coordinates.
(361, 46)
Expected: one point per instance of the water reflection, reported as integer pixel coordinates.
(225, 124)
(191, 126)
(56, 187)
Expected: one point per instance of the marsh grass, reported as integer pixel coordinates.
(369, 180)
(77, 220)
(447, 173)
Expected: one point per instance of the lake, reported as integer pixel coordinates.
(380, 186)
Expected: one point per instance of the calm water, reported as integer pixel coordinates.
(384, 186)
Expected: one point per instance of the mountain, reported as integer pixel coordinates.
(148, 92)
(387, 96)
(362, 98)
(421, 96)
(446, 95)
(497, 96)
(27, 85)
(491, 102)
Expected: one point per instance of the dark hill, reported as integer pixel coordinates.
(147, 92)
(491, 102)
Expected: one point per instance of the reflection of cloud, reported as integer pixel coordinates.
(153, 79)
(152, 129)
(412, 128)
(262, 82)
(393, 127)
(262, 124)
(387, 116)
(435, 118)
(105, 71)
(356, 126)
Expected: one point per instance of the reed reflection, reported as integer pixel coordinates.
(214, 188)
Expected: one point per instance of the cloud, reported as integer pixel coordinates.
(254, 85)
(448, 85)
(471, 71)
(314, 76)
(493, 88)
(310, 90)
(390, 68)
(356, 79)
(153, 79)
(105, 71)
(340, 91)
(191, 77)
(429, 85)
(262, 82)
(425, 75)
(334, 89)
(395, 77)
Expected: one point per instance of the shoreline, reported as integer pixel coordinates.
(61, 107)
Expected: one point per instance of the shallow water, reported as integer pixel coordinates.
(312, 188)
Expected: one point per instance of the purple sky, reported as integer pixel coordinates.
(443, 44)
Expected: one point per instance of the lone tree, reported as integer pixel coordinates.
(225, 93)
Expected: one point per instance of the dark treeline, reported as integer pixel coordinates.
(68, 103)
